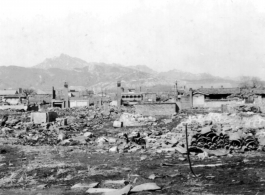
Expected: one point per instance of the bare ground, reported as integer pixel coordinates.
(53, 170)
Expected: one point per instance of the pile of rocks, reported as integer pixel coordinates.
(247, 108)
(83, 127)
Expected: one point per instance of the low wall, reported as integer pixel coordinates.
(79, 103)
(162, 109)
(134, 120)
(16, 107)
(232, 120)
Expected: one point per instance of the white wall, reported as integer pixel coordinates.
(198, 100)
(79, 103)
(12, 101)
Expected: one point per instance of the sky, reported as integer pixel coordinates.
(220, 37)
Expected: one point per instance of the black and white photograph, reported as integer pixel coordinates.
(139, 97)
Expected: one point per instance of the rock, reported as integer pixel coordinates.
(85, 185)
(152, 176)
(117, 124)
(182, 159)
(146, 187)
(111, 140)
(123, 191)
(61, 136)
(181, 150)
(143, 157)
(116, 182)
(203, 155)
(79, 140)
(219, 152)
(88, 134)
(6, 130)
(65, 142)
(102, 140)
(114, 149)
(42, 186)
(99, 190)
(166, 121)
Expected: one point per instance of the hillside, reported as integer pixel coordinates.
(55, 71)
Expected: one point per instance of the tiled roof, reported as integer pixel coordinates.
(15, 96)
(257, 91)
(210, 91)
(8, 92)
(40, 92)
(40, 98)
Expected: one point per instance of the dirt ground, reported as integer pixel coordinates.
(43, 170)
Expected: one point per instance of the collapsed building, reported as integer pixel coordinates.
(11, 97)
(220, 98)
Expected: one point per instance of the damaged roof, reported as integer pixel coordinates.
(257, 91)
(40, 98)
(214, 91)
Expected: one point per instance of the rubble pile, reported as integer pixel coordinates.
(247, 108)
(71, 128)
(34, 135)
(216, 137)
(83, 112)
(232, 132)
(84, 126)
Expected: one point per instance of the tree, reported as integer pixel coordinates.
(248, 86)
(28, 92)
(251, 82)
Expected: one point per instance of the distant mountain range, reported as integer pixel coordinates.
(77, 72)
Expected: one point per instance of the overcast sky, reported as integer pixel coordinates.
(221, 37)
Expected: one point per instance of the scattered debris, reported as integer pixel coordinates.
(146, 187)
(85, 185)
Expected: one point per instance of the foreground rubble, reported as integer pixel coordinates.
(83, 152)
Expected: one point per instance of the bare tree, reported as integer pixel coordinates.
(251, 82)
(28, 92)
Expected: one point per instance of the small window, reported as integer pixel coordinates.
(131, 96)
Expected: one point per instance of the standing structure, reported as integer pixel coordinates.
(176, 90)
(53, 94)
(66, 97)
(191, 98)
(118, 93)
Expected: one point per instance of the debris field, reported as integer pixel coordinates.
(108, 151)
